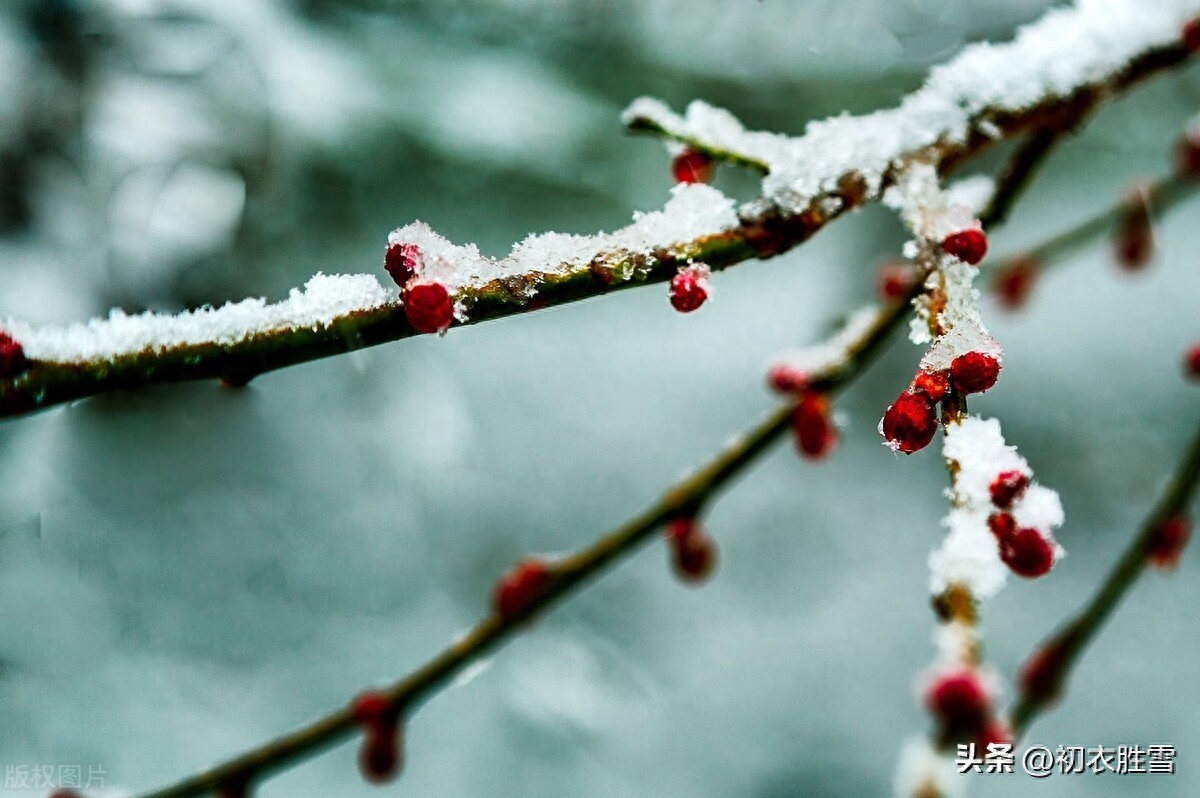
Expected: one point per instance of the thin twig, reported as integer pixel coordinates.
(764, 231)
(1069, 642)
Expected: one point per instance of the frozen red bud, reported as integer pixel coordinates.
(695, 557)
(1007, 487)
(1191, 362)
(1170, 538)
(974, 372)
(689, 289)
(933, 384)
(959, 701)
(910, 422)
(520, 587)
(815, 433)
(402, 260)
(968, 245)
(1014, 282)
(895, 280)
(12, 356)
(1003, 525)
(1027, 552)
(692, 166)
(1190, 36)
(428, 307)
(379, 757)
(786, 379)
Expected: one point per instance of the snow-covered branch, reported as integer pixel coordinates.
(1071, 59)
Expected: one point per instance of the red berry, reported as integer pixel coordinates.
(1003, 526)
(933, 384)
(520, 587)
(679, 529)
(959, 701)
(1170, 538)
(1187, 154)
(695, 557)
(910, 422)
(692, 166)
(895, 280)
(968, 245)
(1027, 552)
(689, 289)
(1192, 362)
(402, 260)
(1007, 487)
(1014, 282)
(12, 356)
(815, 435)
(428, 307)
(786, 379)
(974, 372)
(1191, 36)
(379, 757)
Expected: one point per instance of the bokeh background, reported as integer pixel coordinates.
(187, 571)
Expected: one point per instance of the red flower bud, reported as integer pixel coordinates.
(974, 372)
(1027, 552)
(1134, 235)
(1170, 538)
(1190, 36)
(1007, 487)
(815, 434)
(1187, 154)
(692, 166)
(959, 701)
(1003, 526)
(968, 245)
(695, 557)
(785, 379)
(933, 384)
(1014, 282)
(1191, 362)
(12, 357)
(402, 260)
(688, 290)
(379, 758)
(895, 280)
(1041, 677)
(520, 587)
(910, 422)
(428, 307)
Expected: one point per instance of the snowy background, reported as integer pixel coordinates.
(188, 571)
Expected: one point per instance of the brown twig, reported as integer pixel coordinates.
(1059, 653)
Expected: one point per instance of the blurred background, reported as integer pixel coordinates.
(188, 571)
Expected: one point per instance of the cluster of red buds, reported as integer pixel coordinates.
(12, 357)
(380, 758)
(689, 288)
(912, 420)
(693, 166)
(427, 303)
(1027, 551)
(812, 425)
(693, 552)
(961, 704)
(1133, 237)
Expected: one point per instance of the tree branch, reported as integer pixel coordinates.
(1058, 654)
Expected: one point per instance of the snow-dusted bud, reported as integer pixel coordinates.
(974, 372)
(692, 166)
(689, 288)
(909, 423)
(969, 246)
(428, 307)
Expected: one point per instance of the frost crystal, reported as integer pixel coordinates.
(832, 352)
(324, 299)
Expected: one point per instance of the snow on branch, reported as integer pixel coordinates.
(1089, 43)
(1073, 57)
